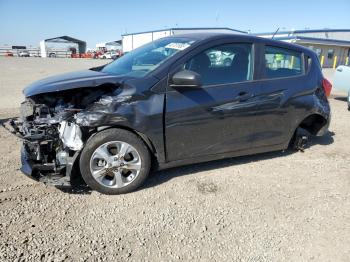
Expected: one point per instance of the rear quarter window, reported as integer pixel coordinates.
(281, 62)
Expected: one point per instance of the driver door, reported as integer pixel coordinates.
(219, 116)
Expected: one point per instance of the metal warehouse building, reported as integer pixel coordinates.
(331, 45)
(132, 41)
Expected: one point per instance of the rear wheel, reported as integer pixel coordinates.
(299, 140)
(115, 161)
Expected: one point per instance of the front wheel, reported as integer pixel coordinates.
(115, 161)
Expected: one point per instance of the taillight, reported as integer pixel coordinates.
(327, 86)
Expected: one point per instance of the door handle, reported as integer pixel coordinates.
(244, 96)
(340, 69)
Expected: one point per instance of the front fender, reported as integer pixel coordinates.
(140, 115)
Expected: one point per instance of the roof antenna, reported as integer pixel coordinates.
(217, 17)
(273, 36)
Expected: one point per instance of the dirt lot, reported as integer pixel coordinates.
(269, 207)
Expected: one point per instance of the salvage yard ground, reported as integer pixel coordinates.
(280, 206)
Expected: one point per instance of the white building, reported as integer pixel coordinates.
(134, 40)
(331, 45)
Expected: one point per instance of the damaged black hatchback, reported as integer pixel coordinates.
(175, 101)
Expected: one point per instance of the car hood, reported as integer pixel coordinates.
(79, 79)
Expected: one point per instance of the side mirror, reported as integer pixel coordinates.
(186, 78)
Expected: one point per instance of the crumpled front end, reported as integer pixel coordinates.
(51, 141)
(52, 137)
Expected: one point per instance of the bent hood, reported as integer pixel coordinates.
(79, 79)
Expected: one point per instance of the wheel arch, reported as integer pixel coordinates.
(142, 136)
(312, 123)
(74, 170)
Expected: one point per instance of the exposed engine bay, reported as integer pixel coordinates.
(55, 126)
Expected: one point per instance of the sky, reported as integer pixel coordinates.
(26, 22)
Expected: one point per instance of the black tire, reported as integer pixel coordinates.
(114, 135)
(299, 140)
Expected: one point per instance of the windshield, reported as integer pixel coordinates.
(146, 58)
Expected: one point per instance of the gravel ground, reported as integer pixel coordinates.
(269, 207)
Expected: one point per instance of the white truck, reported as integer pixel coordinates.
(342, 80)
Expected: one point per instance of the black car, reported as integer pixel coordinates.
(169, 103)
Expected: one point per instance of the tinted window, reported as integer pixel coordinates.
(223, 64)
(282, 62)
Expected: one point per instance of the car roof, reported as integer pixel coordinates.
(244, 37)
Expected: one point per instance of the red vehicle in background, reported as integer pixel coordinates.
(8, 53)
(99, 54)
(85, 55)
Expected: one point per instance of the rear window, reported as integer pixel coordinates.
(281, 62)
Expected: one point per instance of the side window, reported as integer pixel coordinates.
(281, 62)
(223, 64)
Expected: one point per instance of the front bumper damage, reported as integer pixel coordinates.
(48, 157)
(46, 173)
(55, 126)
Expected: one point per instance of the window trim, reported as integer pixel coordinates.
(308, 65)
(302, 63)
